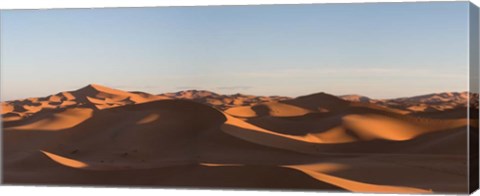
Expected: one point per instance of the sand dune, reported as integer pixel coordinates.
(99, 135)
(419, 104)
(357, 98)
(56, 120)
(6, 108)
(222, 101)
(267, 109)
(369, 127)
(309, 132)
(321, 102)
(103, 97)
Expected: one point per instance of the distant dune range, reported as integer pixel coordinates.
(102, 136)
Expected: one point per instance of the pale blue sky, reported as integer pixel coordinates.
(380, 50)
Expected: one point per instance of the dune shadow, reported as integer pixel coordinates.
(261, 110)
(182, 175)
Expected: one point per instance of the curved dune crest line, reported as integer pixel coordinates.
(235, 126)
(241, 111)
(240, 128)
(336, 135)
(65, 161)
(95, 100)
(356, 186)
(254, 134)
(12, 116)
(283, 110)
(370, 127)
(32, 109)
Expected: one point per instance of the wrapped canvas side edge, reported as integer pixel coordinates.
(473, 136)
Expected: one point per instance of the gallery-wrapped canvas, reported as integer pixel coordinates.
(374, 97)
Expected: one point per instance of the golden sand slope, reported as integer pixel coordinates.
(6, 108)
(65, 161)
(54, 121)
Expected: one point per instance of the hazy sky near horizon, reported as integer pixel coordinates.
(381, 50)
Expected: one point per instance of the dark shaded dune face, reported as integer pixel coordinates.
(319, 101)
(197, 115)
(157, 130)
(261, 110)
(450, 141)
(247, 176)
(188, 175)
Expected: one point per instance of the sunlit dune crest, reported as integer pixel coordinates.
(65, 161)
(356, 186)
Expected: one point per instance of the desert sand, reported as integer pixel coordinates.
(102, 136)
